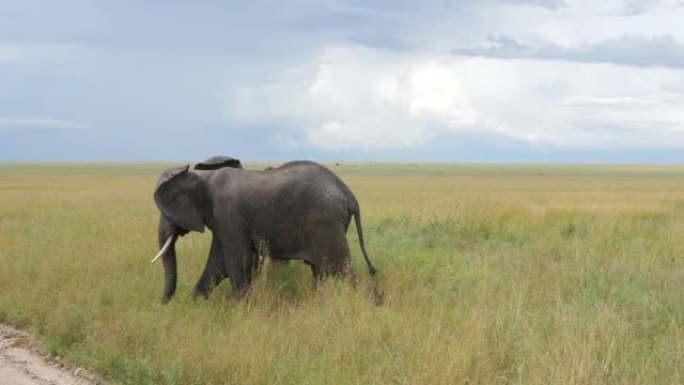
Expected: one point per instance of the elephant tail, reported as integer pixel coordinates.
(357, 219)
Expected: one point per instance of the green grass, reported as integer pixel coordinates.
(491, 274)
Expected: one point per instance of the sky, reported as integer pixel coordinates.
(570, 81)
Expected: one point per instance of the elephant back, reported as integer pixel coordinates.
(217, 162)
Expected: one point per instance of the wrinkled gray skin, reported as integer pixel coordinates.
(300, 210)
(167, 228)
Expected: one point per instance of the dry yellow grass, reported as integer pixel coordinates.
(492, 274)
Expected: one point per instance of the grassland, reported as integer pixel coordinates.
(492, 274)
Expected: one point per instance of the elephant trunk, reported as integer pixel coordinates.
(169, 260)
(168, 254)
(167, 237)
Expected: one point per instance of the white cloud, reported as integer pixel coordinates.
(438, 93)
(364, 98)
(358, 97)
(308, 79)
(627, 122)
(536, 92)
(37, 124)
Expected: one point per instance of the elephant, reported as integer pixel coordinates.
(217, 162)
(297, 211)
(166, 227)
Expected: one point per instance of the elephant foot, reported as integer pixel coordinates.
(197, 293)
(239, 294)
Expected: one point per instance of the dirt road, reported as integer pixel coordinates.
(21, 365)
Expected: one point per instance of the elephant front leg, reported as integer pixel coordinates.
(214, 271)
(241, 264)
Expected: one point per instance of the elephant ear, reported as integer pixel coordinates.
(177, 198)
(217, 162)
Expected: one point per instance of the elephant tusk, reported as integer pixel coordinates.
(166, 246)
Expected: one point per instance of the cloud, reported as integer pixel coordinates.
(347, 78)
(359, 98)
(550, 4)
(355, 97)
(36, 124)
(629, 50)
(638, 7)
(632, 121)
(58, 58)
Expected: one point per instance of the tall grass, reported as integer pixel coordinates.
(491, 274)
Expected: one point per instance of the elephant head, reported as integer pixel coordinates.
(181, 199)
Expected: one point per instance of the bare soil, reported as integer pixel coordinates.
(21, 364)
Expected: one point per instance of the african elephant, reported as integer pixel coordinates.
(166, 227)
(300, 210)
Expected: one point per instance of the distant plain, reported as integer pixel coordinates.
(491, 274)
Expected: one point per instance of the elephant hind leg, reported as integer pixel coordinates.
(330, 252)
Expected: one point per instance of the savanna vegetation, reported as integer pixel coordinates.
(491, 274)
